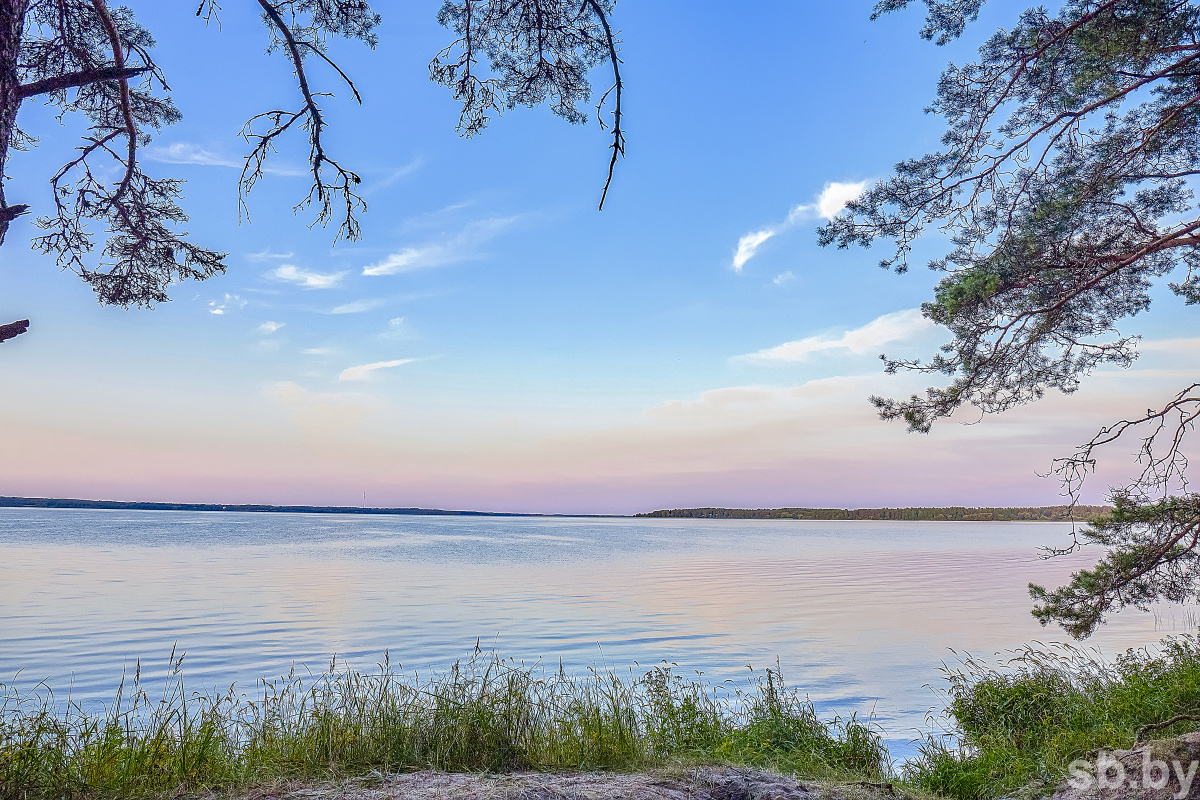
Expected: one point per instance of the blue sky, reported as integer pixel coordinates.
(494, 341)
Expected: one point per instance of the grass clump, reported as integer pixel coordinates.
(484, 714)
(1014, 727)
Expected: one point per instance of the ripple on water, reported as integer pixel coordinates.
(858, 614)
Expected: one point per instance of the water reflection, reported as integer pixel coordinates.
(858, 614)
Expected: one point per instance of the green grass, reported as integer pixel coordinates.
(486, 714)
(1012, 727)
(1015, 726)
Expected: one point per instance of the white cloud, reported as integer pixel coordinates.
(833, 198)
(306, 278)
(748, 245)
(462, 246)
(358, 306)
(361, 373)
(407, 260)
(188, 153)
(318, 351)
(784, 277)
(396, 322)
(892, 327)
(270, 327)
(231, 302)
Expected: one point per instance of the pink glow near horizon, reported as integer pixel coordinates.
(816, 445)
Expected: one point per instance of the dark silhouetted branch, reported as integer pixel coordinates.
(82, 78)
(13, 329)
(618, 144)
(324, 190)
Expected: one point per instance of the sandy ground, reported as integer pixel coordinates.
(698, 784)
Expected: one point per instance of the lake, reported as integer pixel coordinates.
(860, 615)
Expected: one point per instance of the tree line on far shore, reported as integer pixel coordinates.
(1077, 513)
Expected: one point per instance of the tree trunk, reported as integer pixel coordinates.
(12, 24)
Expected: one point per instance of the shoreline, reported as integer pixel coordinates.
(1079, 513)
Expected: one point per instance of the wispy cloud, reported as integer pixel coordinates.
(436, 219)
(748, 245)
(231, 302)
(784, 277)
(396, 330)
(362, 373)
(359, 306)
(833, 198)
(318, 351)
(407, 260)
(321, 413)
(461, 247)
(188, 153)
(307, 278)
(270, 327)
(892, 327)
(1181, 345)
(266, 255)
(395, 175)
(269, 345)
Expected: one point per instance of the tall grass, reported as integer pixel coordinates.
(1015, 726)
(484, 714)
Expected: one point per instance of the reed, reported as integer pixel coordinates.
(485, 713)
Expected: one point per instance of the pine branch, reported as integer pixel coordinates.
(81, 78)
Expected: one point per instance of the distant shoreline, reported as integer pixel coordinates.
(947, 514)
(1079, 513)
(133, 505)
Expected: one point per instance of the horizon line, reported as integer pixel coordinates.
(672, 513)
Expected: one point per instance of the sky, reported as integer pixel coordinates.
(494, 342)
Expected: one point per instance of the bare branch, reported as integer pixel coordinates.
(1160, 468)
(324, 190)
(9, 213)
(618, 144)
(13, 329)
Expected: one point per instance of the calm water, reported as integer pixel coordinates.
(859, 614)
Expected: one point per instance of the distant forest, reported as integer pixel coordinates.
(954, 514)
